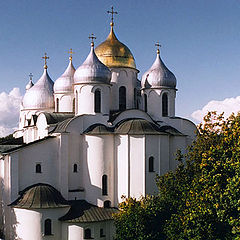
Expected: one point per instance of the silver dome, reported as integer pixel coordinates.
(40, 96)
(29, 85)
(65, 83)
(158, 76)
(92, 71)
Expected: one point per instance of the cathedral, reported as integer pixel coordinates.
(94, 135)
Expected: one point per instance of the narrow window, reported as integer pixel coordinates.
(38, 168)
(73, 107)
(57, 103)
(145, 102)
(76, 102)
(75, 168)
(107, 204)
(165, 105)
(97, 101)
(87, 233)
(104, 185)
(48, 227)
(122, 98)
(151, 164)
(102, 233)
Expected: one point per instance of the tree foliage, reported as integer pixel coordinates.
(198, 201)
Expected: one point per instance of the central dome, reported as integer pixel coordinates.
(113, 53)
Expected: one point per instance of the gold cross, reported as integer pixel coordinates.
(112, 12)
(71, 53)
(92, 37)
(158, 46)
(30, 75)
(45, 60)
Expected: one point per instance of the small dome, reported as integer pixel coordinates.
(113, 53)
(65, 83)
(38, 196)
(158, 75)
(40, 96)
(92, 71)
(29, 85)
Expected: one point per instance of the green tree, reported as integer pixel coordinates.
(201, 199)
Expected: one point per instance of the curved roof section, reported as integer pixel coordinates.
(53, 118)
(65, 83)
(98, 129)
(158, 76)
(137, 126)
(92, 71)
(113, 53)
(84, 212)
(39, 196)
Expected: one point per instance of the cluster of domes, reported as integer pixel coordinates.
(95, 69)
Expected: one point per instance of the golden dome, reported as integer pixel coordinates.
(113, 53)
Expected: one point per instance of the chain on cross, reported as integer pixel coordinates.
(45, 60)
(112, 12)
(158, 47)
(71, 53)
(92, 37)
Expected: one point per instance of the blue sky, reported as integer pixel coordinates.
(200, 41)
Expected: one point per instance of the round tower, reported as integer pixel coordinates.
(159, 90)
(63, 89)
(119, 59)
(92, 86)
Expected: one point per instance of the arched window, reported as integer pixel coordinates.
(97, 101)
(165, 105)
(48, 227)
(145, 102)
(151, 164)
(102, 233)
(122, 98)
(87, 233)
(104, 185)
(38, 168)
(107, 204)
(73, 106)
(57, 105)
(75, 167)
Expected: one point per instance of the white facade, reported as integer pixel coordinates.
(102, 138)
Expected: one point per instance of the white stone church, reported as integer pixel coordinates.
(94, 135)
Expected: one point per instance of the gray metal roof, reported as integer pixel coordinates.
(84, 212)
(40, 195)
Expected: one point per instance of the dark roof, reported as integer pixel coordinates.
(98, 129)
(10, 144)
(26, 144)
(53, 118)
(137, 126)
(83, 212)
(40, 195)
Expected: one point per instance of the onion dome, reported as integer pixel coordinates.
(29, 85)
(64, 83)
(113, 53)
(39, 196)
(158, 75)
(92, 70)
(40, 96)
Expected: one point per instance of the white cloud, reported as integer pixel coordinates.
(228, 106)
(9, 111)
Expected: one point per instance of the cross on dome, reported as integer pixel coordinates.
(71, 53)
(158, 47)
(112, 13)
(30, 76)
(45, 60)
(92, 37)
